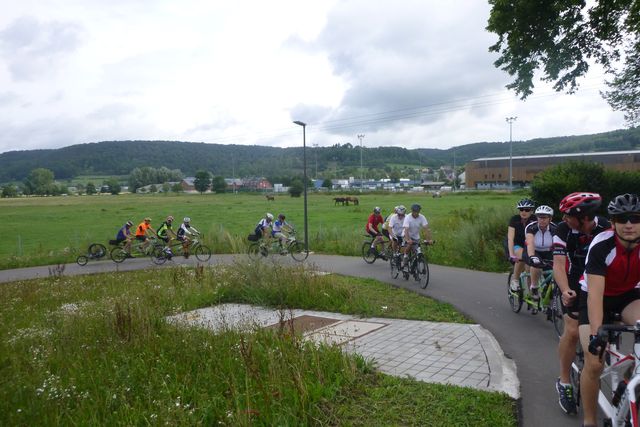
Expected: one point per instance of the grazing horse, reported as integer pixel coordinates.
(340, 200)
(353, 200)
(269, 197)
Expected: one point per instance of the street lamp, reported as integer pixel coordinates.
(304, 171)
(510, 120)
(360, 136)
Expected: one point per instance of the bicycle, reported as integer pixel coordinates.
(153, 249)
(417, 265)
(550, 297)
(619, 402)
(201, 252)
(291, 247)
(95, 251)
(381, 250)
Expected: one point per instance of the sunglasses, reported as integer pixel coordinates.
(622, 219)
(524, 209)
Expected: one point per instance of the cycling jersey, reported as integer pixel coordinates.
(413, 225)
(373, 222)
(184, 230)
(396, 224)
(574, 245)
(164, 228)
(123, 233)
(519, 224)
(277, 227)
(619, 266)
(141, 231)
(543, 240)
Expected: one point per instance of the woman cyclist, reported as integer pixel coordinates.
(539, 243)
(515, 238)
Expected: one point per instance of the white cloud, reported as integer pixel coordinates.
(407, 73)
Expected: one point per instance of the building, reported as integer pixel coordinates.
(493, 172)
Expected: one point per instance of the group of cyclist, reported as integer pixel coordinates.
(596, 265)
(165, 233)
(268, 229)
(404, 231)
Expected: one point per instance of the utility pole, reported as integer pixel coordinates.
(455, 175)
(360, 137)
(510, 120)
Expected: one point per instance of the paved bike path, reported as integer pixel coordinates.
(529, 340)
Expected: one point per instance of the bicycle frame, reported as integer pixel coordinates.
(623, 405)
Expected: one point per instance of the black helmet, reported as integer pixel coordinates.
(526, 204)
(624, 203)
(376, 210)
(281, 216)
(415, 207)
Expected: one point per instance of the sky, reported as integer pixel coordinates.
(407, 73)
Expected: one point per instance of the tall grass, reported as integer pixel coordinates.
(96, 350)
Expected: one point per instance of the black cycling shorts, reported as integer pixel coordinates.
(141, 238)
(573, 309)
(372, 234)
(612, 305)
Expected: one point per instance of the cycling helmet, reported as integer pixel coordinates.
(169, 218)
(580, 204)
(147, 219)
(526, 204)
(376, 210)
(544, 210)
(416, 207)
(624, 203)
(281, 216)
(269, 216)
(129, 224)
(401, 210)
(395, 209)
(186, 220)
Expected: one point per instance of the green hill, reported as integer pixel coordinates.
(120, 157)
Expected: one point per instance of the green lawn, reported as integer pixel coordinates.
(45, 230)
(96, 350)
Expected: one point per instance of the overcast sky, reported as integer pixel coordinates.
(411, 73)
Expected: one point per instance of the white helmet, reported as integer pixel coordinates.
(186, 220)
(544, 210)
(401, 210)
(269, 216)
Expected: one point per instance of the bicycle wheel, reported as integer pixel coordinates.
(82, 260)
(394, 263)
(515, 297)
(368, 253)
(556, 311)
(158, 255)
(296, 249)
(576, 370)
(203, 253)
(118, 255)
(255, 252)
(422, 271)
(97, 250)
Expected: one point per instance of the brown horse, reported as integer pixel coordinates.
(340, 200)
(353, 200)
(269, 197)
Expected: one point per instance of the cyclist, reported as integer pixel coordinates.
(262, 228)
(143, 231)
(413, 226)
(396, 228)
(571, 242)
(277, 232)
(375, 220)
(515, 238)
(539, 241)
(125, 235)
(609, 285)
(183, 234)
(166, 234)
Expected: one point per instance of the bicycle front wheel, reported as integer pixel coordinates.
(97, 250)
(255, 252)
(368, 253)
(157, 254)
(296, 249)
(203, 253)
(422, 271)
(515, 298)
(557, 316)
(394, 264)
(118, 255)
(82, 260)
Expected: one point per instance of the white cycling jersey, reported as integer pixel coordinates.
(413, 225)
(396, 224)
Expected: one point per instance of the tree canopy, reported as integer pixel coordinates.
(202, 181)
(560, 38)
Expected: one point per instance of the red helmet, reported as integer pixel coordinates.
(580, 204)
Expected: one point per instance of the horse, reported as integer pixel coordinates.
(269, 197)
(341, 200)
(354, 200)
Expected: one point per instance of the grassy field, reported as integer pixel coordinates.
(96, 350)
(45, 230)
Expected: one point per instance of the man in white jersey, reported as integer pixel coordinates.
(414, 225)
(396, 227)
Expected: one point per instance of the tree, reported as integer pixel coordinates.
(114, 186)
(91, 188)
(166, 187)
(327, 183)
(176, 188)
(9, 190)
(153, 188)
(218, 184)
(40, 182)
(202, 181)
(296, 188)
(560, 37)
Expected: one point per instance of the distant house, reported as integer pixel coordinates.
(257, 184)
(188, 184)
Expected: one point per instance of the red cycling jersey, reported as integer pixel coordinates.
(620, 266)
(373, 222)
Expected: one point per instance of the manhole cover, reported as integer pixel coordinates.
(305, 323)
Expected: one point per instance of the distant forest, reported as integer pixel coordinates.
(113, 158)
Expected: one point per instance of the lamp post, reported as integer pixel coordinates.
(510, 120)
(360, 136)
(315, 151)
(304, 171)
